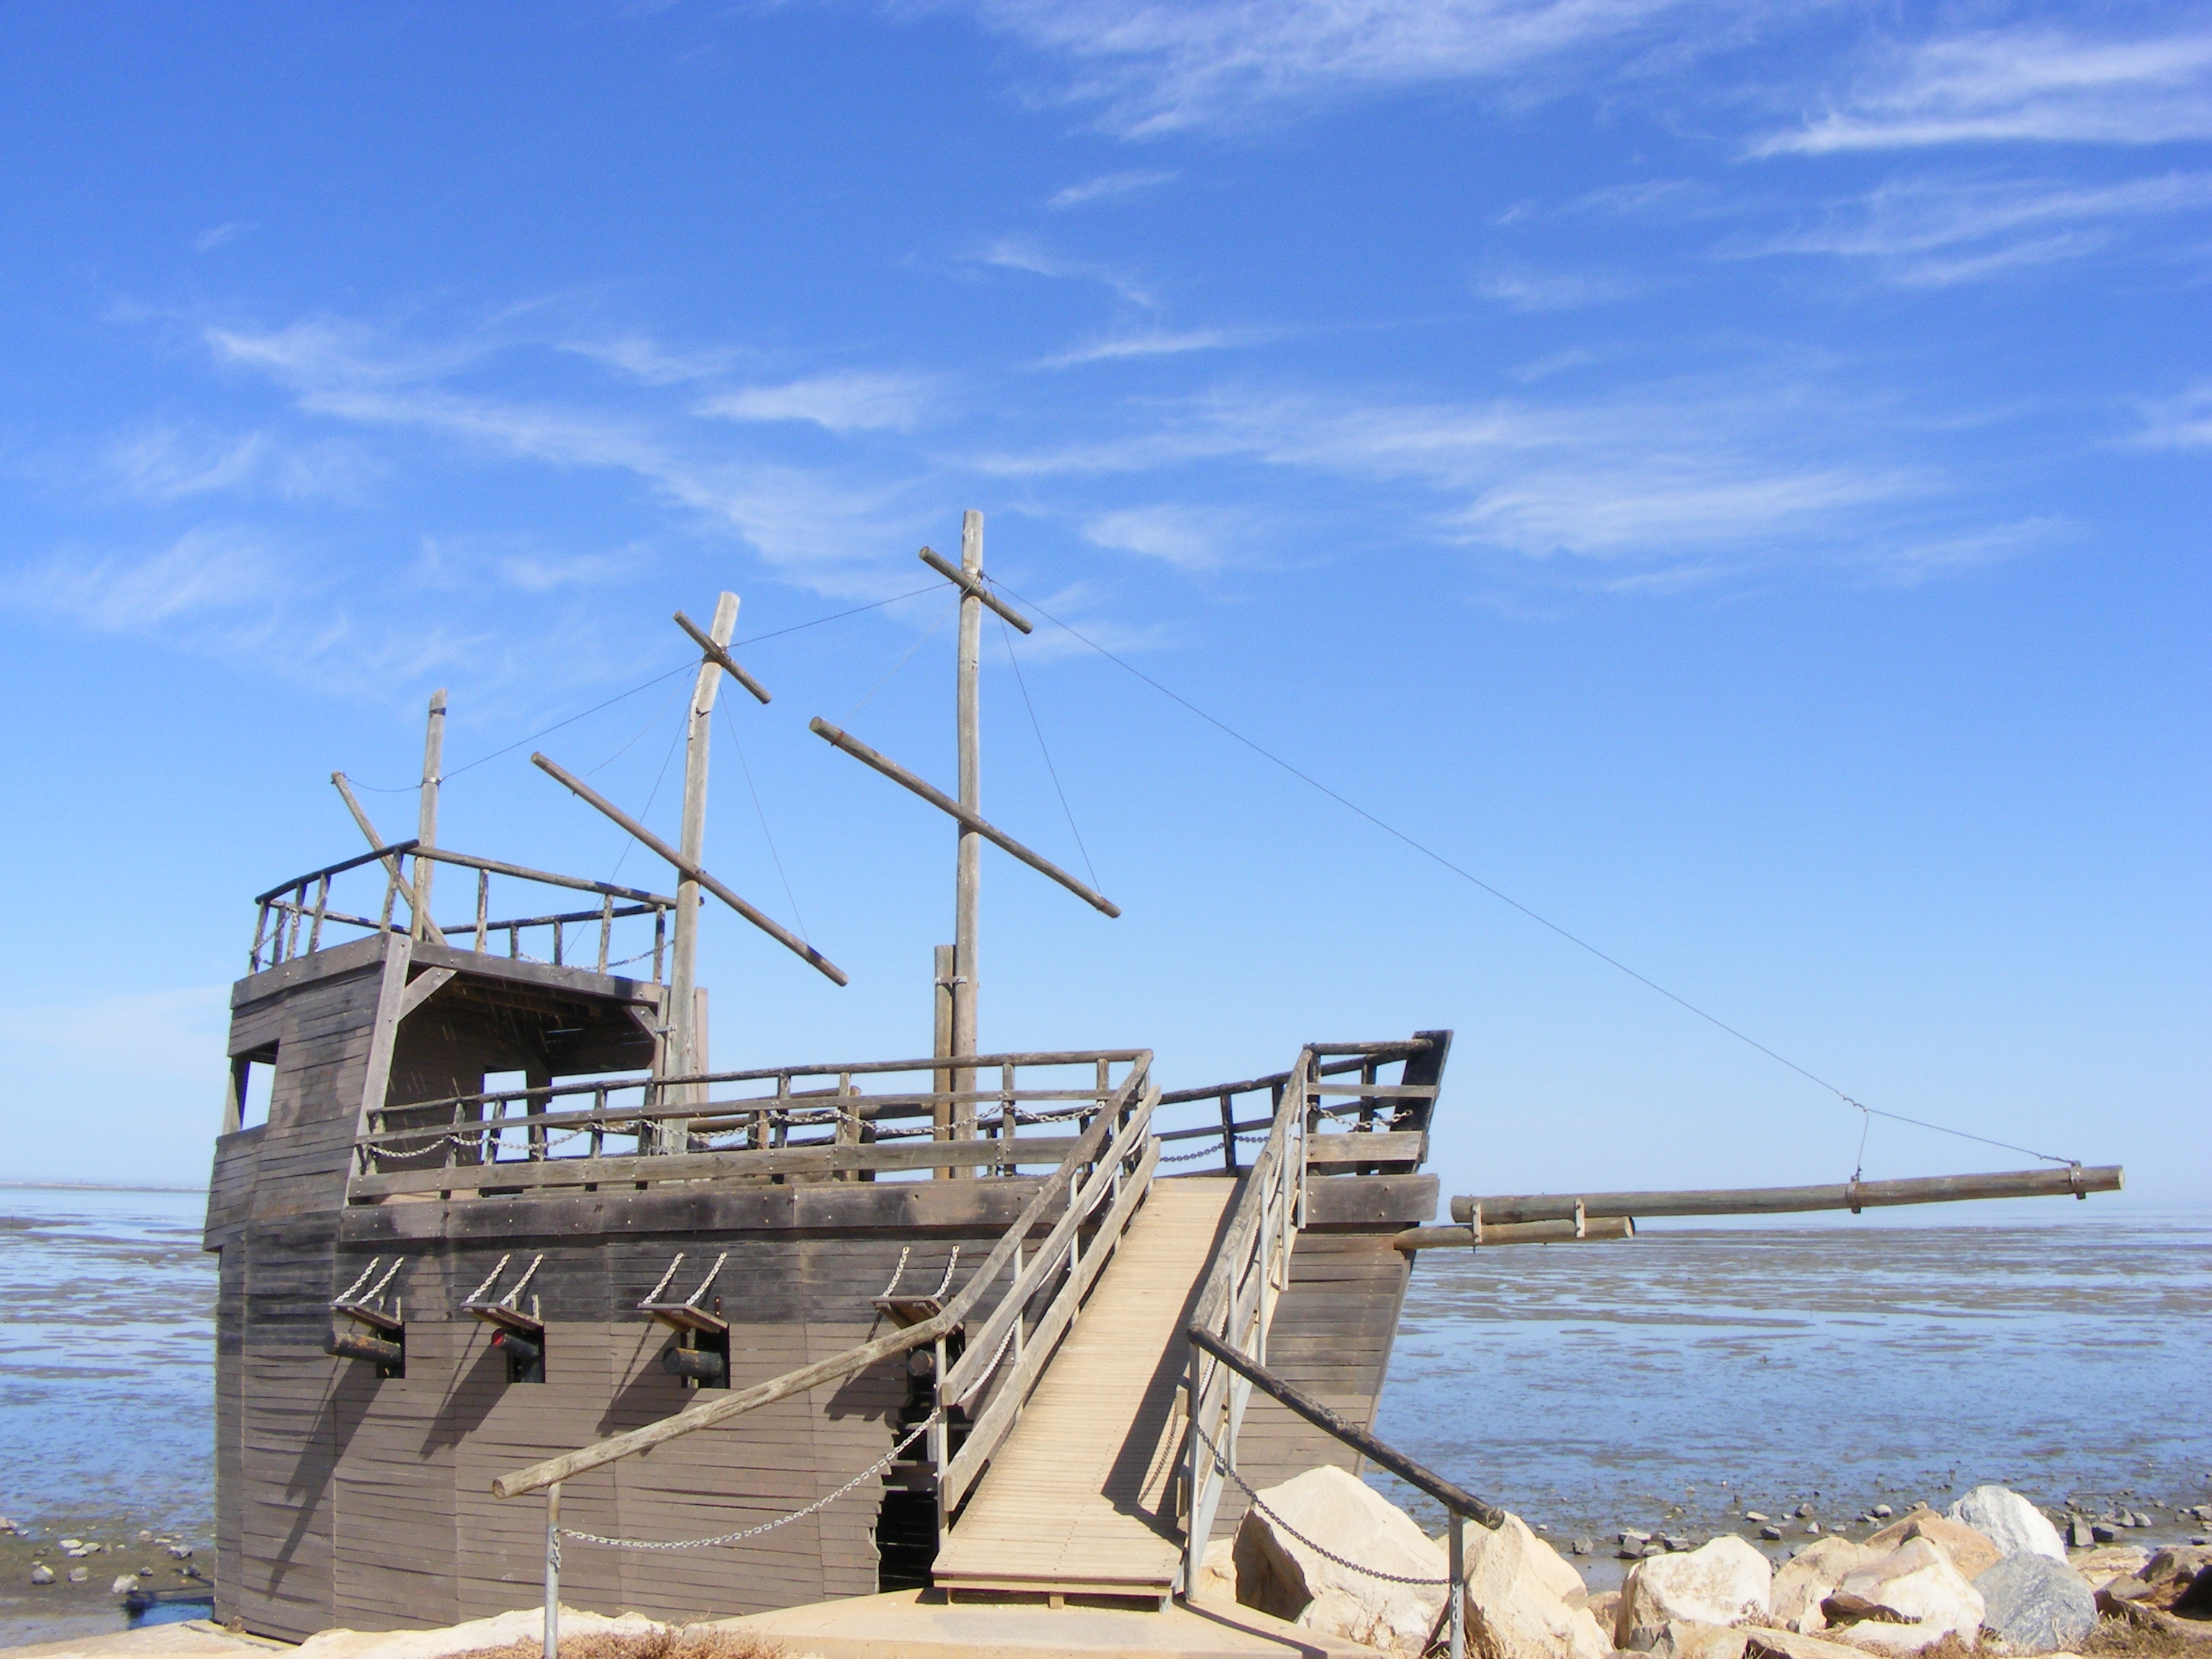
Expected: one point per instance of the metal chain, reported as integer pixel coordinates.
(1259, 1504)
(874, 1468)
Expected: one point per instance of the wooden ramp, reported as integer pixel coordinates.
(1071, 1505)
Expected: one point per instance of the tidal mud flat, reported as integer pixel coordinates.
(1672, 1387)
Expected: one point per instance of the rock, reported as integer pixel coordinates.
(2101, 1565)
(1638, 1539)
(1602, 1607)
(145, 1537)
(1278, 1574)
(1766, 1643)
(2036, 1605)
(2195, 1601)
(2008, 1521)
(1970, 1551)
(1813, 1575)
(2101, 1534)
(1524, 1602)
(1911, 1597)
(1755, 1517)
(1725, 1581)
(1217, 1572)
(1802, 1510)
(2170, 1571)
(1687, 1638)
(182, 1552)
(1813, 1527)
(1583, 1547)
(1882, 1512)
(123, 1585)
(79, 1574)
(1770, 1532)
(2078, 1536)
(70, 1543)
(42, 1574)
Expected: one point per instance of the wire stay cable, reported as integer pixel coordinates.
(1469, 876)
(745, 765)
(1007, 634)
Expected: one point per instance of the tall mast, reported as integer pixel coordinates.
(970, 872)
(686, 1044)
(425, 833)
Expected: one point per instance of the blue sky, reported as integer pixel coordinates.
(1733, 476)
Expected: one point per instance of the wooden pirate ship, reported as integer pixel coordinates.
(943, 1320)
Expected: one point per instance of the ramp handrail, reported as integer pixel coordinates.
(1459, 1504)
(1134, 1096)
(1250, 1272)
(1119, 1180)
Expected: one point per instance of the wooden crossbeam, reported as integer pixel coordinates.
(768, 925)
(952, 808)
(973, 586)
(720, 658)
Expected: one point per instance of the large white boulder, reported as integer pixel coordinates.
(1718, 1584)
(1279, 1573)
(1811, 1575)
(1517, 1585)
(1970, 1549)
(1524, 1602)
(2015, 1526)
(1912, 1596)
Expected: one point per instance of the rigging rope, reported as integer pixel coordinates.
(1007, 634)
(761, 812)
(1469, 877)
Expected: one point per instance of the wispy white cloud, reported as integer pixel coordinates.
(226, 574)
(1108, 186)
(2178, 422)
(1911, 562)
(1195, 540)
(215, 235)
(1153, 68)
(1934, 231)
(847, 400)
(166, 463)
(1028, 255)
(1151, 343)
(2035, 84)
(646, 361)
(1555, 290)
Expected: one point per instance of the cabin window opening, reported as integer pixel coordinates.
(507, 1083)
(252, 1076)
(526, 1353)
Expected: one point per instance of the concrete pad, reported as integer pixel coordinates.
(921, 1624)
(192, 1638)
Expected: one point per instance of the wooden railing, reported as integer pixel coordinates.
(1251, 1270)
(305, 905)
(1367, 1105)
(1103, 1145)
(1064, 1264)
(662, 1130)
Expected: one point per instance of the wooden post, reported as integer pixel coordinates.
(553, 1571)
(970, 867)
(426, 834)
(940, 1114)
(682, 1016)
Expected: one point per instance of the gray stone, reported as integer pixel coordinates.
(2036, 1605)
(42, 1574)
(1882, 1512)
(79, 1574)
(2100, 1534)
(1802, 1510)
(1583, 1547)
(123, 1585)
(1771, 1532)
(2078, 1536)
(1755, 1517)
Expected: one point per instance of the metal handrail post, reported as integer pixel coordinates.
(1458, 1590)
(553, 1571)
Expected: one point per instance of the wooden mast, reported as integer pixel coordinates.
(970, 865)
(682, 1055)
(425, 834)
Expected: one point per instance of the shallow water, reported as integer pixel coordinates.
(1680, 1378)
(1673, 1380)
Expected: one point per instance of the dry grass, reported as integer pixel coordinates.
(673, 1642)
(2130, 1638)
